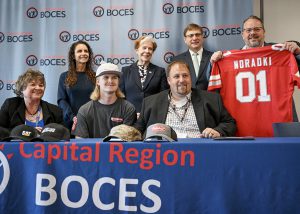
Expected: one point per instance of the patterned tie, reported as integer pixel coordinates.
(196, 63)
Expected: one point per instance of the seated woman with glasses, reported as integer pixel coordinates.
(28, 107)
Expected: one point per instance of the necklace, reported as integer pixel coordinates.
(34, 117)
(177, 109)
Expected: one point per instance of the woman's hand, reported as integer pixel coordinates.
(74, 123)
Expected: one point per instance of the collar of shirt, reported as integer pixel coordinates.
(199, 56)
(246, 47)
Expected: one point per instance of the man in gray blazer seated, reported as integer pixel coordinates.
(196, 56)
(192, 113)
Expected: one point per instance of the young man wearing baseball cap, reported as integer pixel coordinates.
(107, 107)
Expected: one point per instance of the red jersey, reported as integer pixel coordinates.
(257, 86)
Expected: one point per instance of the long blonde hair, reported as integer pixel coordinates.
(96, 94)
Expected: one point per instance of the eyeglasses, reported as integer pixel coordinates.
(193, 34)
(255, 29)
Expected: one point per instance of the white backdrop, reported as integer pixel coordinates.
(39, 33)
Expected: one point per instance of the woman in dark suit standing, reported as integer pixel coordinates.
(143, 78)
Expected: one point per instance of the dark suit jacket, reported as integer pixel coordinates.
(203, 75)
(131, 86)
(12, 113)
(208, 107)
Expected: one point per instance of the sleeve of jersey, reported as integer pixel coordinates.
(295, 71)
(215, 78)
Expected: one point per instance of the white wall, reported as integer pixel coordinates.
(282, 22)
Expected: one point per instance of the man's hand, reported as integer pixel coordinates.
(210, 133)
(292, 47)
(216, 56)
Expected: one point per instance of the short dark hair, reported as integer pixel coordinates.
(256, 18)
(192, 26)
(176, 63)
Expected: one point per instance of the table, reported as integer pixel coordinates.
(189, 176)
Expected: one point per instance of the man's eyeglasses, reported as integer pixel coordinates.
(255, 29)
(193, 34)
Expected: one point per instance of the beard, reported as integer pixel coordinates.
(182, 89)
(254, 42)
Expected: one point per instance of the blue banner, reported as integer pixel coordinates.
(193, 176)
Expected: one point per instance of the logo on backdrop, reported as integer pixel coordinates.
(1, 84)
(8, 86)
(183, 8)
(226, 30)
(14, 37)
(92, 36)
(4, 172)
(65, 36)
(32, 12)
(134, 34)
(206, 32)
(32, 60)
(168, 57)
(98, 59)
(115, 59)
(99, 11)
(2, 37)
(168, 8)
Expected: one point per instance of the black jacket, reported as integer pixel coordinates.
(208, 107)
(12, 113)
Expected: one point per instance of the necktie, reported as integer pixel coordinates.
(196, 63)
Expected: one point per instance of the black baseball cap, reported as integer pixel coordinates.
(22, 133)
(53, 132)
(4, 133)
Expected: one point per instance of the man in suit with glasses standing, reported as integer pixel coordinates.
(196, 56)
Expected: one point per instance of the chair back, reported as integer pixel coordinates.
(291, 129)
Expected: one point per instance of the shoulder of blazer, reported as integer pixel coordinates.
(202, 94)
(128, 68)
(207, 52)
(155, 67)
(155, 97)
(184, 54)
(51, 108)
(14, 102)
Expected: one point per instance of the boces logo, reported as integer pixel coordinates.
(226, 30)
(9, 85)
(206, 32)
(66, 36)
(98, 58)
(113, 11)
(168, 57)
(115, 59)
(32, 60)
(2, 37)
(4, 172)
(134, 34)
(183, 8)
(1, 84)
(32, 12)
(15, 37)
